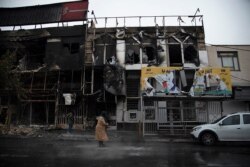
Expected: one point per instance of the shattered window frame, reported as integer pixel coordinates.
(231, 56)
(152, 57)
(177, 41)
(105, 48)
(174, 63)
(172, 42)
(135, 47)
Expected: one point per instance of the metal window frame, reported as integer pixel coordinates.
(234, 55)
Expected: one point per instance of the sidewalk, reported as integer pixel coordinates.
(124, 136)
(114, 135)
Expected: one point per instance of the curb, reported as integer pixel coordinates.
(86, 137)
(115, 136)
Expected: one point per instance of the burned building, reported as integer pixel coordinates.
(48, 61)
(157, 76)
(149, 78)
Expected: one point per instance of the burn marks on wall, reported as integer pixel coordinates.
(114, 79)
(48, 49)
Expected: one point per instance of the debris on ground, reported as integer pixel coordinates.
(22, 130)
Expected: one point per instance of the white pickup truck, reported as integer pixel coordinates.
(233, 127)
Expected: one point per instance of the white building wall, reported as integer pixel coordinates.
(239, 77)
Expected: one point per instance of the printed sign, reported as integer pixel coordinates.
(206, 81)
(212, 81)
(164, 76)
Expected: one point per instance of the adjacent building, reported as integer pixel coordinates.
(235, 57)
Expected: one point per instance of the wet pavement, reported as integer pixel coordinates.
(51, 148)
(53, 152)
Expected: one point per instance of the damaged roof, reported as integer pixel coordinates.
(22, 35)
(52, 13)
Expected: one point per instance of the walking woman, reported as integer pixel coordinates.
(100, 129)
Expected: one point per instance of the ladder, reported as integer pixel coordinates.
(88, 71)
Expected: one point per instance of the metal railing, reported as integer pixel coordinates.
(146, 21)
(123, 21)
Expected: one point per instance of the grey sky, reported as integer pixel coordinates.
(225, 21)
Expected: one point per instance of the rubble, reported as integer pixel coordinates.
(22, 130)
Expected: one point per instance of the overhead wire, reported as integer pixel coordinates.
(240, 78)
(224, 46)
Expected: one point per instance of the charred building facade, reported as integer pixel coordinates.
(48, 61)
(156, 76)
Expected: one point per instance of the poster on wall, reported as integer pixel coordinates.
(162, 76)
(212, 81)
(206, 82)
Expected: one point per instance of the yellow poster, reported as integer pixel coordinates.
(164, 76)
(206, 81)
(212, 81)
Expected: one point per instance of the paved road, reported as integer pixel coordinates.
(41, 152)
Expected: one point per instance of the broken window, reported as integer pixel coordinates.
(105, 48)
(110, 53)
(132, 57)
(191, 55)
(99, 50)
(182, 49)
(149, 55)
(132, 52)
(175, 55)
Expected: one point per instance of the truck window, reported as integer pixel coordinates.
(246, 118)
(232, 120)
